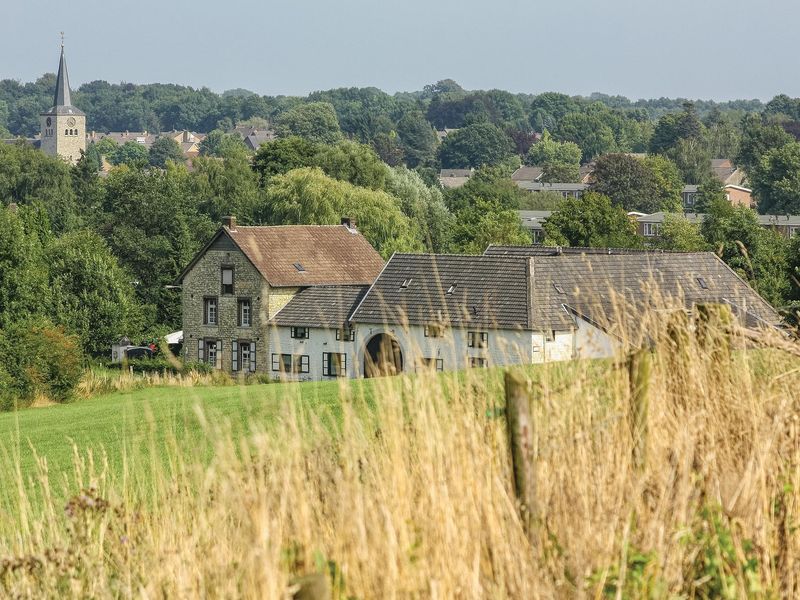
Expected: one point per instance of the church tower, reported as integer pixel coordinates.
(63, 126)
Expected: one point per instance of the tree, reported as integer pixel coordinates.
(314, 121)
(92, 296)
(489, 184)
(132, 154)
(672, 127)
(28, 177)
(281, 156)
(486, 223)
(561, 173)
(352, 162)
(221, 144)
(692, 159)
(632, 184)
(668, 182)
(546, 110)
(308, 196)
(152, 224)
(417, 139)
(226, 186)
(548, 151)
(424, 206)
(757, 140)
(591, 221)
(164, 149)
(475, 146)
(388, 147)
(24, 292)
(587, 131)
(678, 234)
(758, 255)
(776, 180)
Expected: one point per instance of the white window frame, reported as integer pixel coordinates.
(334, 368)
(478, 339)
(210, 307)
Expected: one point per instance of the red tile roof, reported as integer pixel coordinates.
(309, 255)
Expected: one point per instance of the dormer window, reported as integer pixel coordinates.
(227, 280)
(702, 283)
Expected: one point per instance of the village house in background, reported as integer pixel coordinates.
(454, 178)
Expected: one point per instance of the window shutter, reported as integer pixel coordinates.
(344, 364)
(239, 313)
(326, 363)
(252, 357)
(276, 362)
(234, 355)
(219, 354)
(201, 350)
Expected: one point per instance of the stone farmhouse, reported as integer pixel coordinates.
(240, 280)
(317, 302)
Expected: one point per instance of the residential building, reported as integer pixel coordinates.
(512, 305)
(63, 127)
(244, 276)
(726, 172)
(787, 225)
(533, 221)
(454, 178)
(528, 174)
(735, 194)
(253, 137)
(567, 190)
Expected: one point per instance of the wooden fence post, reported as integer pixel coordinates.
(520, 435)
(639, 363)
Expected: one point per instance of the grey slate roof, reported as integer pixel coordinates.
(537, 186)
(596, 282)
(488, 291)
(62, 99)
(327, 307)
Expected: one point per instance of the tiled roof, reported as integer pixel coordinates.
(597, 282)
(306, 255)
(537, 186)
(327, 307)
(422, 289)
(527, 174)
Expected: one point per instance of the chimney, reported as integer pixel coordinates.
(229, 222)
(349, 222)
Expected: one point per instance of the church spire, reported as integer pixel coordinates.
(62, 97)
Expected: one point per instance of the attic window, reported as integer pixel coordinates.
(451, 289)
(559, 289)
(299, 267)
(406, 283)
(702, 283)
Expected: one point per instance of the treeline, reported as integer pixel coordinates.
(396, 125)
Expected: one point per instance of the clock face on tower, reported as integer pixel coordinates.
(49, 121)
(71, 121)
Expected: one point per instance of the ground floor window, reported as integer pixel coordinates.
(243, 356)
(290, 363)
(334, 364)
(432, 363)
(478, 363)
(208, 351)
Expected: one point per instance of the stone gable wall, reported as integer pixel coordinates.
(205, 280)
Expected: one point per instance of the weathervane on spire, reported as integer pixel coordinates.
(62, 40)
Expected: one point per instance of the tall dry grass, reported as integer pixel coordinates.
(411, 497)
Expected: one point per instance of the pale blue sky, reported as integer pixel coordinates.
(639, 48)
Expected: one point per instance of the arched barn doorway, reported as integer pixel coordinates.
(383, 356)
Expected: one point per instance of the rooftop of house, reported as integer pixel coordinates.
(532, 173)
(764, 220)
(598, 282)
(326, 307)
(426, 289)
(537, 186)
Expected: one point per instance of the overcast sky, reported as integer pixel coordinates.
(720, 49)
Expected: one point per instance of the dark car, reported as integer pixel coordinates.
(136, 352)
